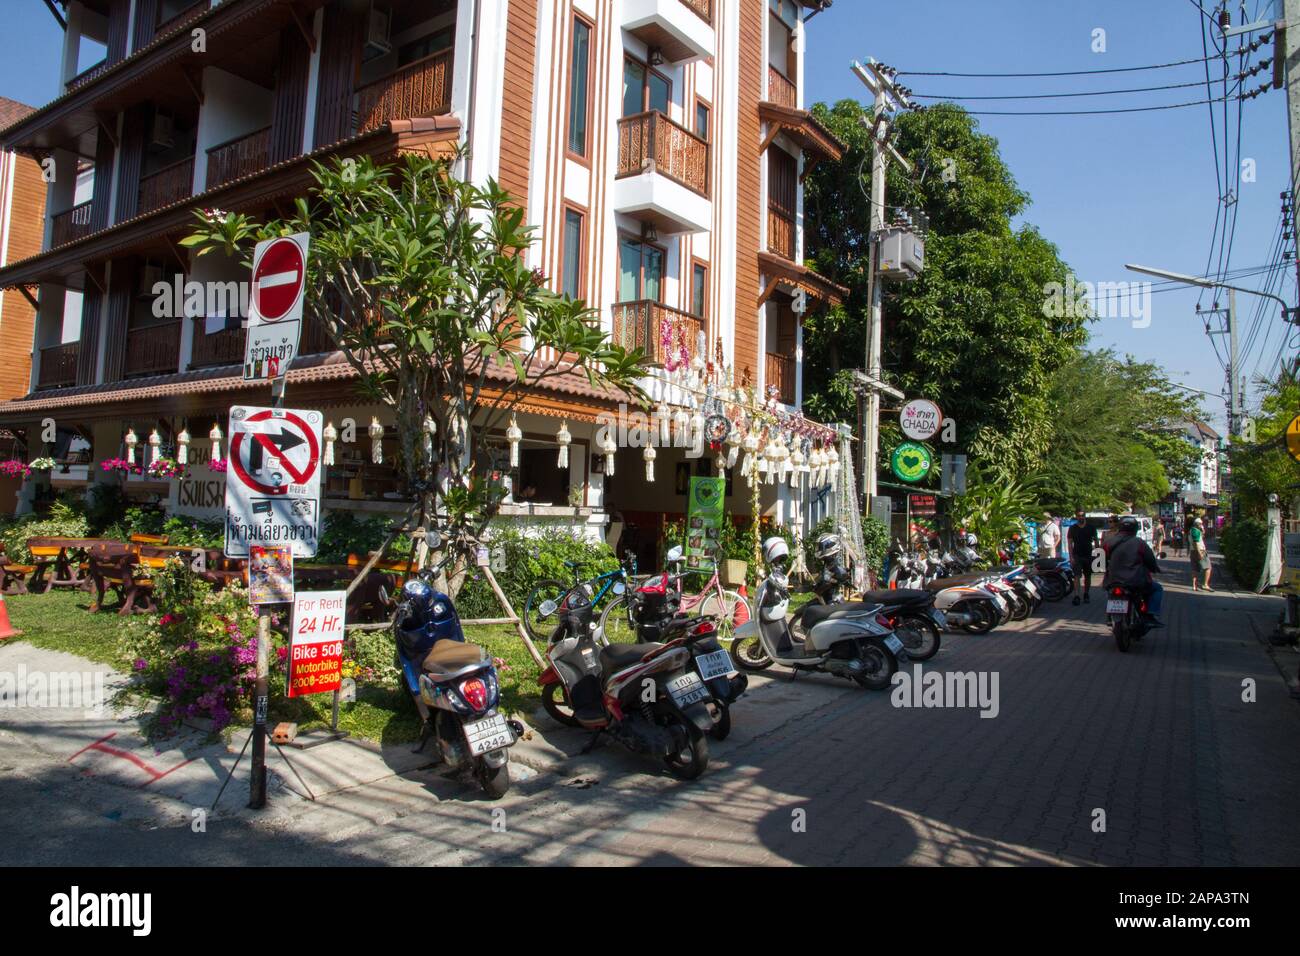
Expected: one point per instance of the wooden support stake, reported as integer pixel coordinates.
(514, 618)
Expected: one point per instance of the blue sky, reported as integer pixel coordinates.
(1106, 189)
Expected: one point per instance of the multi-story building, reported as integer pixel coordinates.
(1203, 490)
(658, 146)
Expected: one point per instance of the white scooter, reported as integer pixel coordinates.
(853, 641)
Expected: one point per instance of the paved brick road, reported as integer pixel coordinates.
(1158, 739)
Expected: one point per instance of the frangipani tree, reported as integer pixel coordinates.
(421, 280)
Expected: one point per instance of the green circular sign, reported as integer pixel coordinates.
(911, 462)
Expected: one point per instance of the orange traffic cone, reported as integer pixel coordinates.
(6, 629)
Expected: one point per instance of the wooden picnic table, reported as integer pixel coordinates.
(62, 557)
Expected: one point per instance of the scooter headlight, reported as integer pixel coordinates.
(775, 612)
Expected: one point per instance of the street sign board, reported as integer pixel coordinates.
(316, 645)
(279, 280)
(1293, 438)
(911, 462)
(920, 419)
(953, 474)
(273, 480)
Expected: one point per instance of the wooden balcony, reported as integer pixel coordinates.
(58, 366)
(71, 225)
(780, 233)
(422, 88)
(653, 143)
(166, 186)
(640, 324)
(175, 22)
(781, 90)
(239, 157)
(780, 374)
(220, 348)
(702, 8)
(152, 350)
(86, 75)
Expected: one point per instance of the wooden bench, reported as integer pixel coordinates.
(113, 565)
(14, 575)
(61, 557)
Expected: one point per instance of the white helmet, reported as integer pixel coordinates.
(775, 549)
(676, 555)
(971, 540)
(828, 546)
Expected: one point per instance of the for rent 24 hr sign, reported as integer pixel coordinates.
(273, 480)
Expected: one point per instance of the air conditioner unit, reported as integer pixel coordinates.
(160, 133)
(378, 32)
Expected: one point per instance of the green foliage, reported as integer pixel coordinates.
(994, 508)
(971, 333)
(1264, 467)
(62, 520)
(525, 559)
(347, 533)
(1117, 435)
(875, 539)
(1244, 544)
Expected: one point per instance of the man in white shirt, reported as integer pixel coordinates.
(1049, 537)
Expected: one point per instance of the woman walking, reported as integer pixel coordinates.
(1200, 557)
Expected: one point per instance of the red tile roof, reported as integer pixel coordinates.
(11, 111)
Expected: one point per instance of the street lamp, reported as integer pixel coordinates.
(1207, 283)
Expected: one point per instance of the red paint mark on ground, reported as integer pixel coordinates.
(102, 746)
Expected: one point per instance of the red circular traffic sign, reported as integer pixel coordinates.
(278, 279)
(305, 434)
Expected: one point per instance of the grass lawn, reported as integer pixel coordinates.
(59, 620)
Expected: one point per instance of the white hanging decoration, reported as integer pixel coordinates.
(720, 463)
(665, 417)
(183, 447)
(331, 435)
(214, 436)
(734, 441)
(650, 454)
(681, 425)
(376, 433)
(783, 459)
(697, 429)
(797, 466)
(609, 448)
(155, 446)
(750, 465)
(430, 429)
(131, 441)
(514, 435)
(771, 459)
(563, 439)
(697, 369)
(833, 465)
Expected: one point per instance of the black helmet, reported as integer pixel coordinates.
(1128, 525)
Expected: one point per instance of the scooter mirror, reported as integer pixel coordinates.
(1162, 554)
(547, 608)
(620, 587)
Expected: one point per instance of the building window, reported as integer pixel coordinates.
(427, 45)
(571, 281)
(579, 81)
(640, 271)
(644, 89)
(701, 121)
(699, 289)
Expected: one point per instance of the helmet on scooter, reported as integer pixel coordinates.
(775, 549)
(675, 555)
(827, 547)
(971, 541)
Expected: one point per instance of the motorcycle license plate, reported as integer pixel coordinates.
(687, 689)
(717, 664)
(490, 733)
(1001, 602)
(939, 618)
(893, 643)
(1029, 586)
(1117, 606)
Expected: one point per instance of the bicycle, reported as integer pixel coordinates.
(728, 609)
(538, 624)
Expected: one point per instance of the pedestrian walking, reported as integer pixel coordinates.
(1178, 538)
(1158, 535)
(1082, 540)
(1049, 537)
(1200, 557)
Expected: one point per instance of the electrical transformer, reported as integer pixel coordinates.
(902, 254)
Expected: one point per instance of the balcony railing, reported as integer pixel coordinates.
(192, 12)
(651, 142)
(166, 186)
(86, 75)
(422, 88)
(704, 8)
(58, 366)
(641, 324)
(780, 233)
(780, 90)
(71, 225)
(780, 373)
(235, 158)
(220, 348)
(152, 350)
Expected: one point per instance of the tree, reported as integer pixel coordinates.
(1117, 435)
(1264, 467)
(421, 281)
(972, 333)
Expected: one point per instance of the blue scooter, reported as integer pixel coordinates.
(454, 686)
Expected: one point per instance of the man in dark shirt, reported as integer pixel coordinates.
(1131, 563)
(1082, 538)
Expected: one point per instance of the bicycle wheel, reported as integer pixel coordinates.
(730, 610)
(616, 622)
(538, 627)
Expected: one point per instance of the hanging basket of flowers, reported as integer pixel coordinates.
(13, 468)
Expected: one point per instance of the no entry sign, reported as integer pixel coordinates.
(279, 280)
(273, 480)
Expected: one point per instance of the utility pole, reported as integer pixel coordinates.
(887, 97)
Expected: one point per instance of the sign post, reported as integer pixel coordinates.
(275, 307)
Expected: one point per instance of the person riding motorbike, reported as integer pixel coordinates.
(1131, 563)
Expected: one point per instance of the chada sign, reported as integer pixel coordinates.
(279, 280)
(920, 419)
(273, 480)
(911, 462)
(316, 645)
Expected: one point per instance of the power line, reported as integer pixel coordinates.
(1131, 109)
(1054, 96)
(1124, 69)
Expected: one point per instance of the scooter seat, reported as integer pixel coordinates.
(900, 597)
(814, 614)
(448, 656)
(615, 657)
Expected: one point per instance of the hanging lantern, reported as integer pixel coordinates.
(771, 459)
(430, 429)
(833, 466)
(215, 437)
(697, 429)
(750, 465)
(734, 441)
(609, 448)
(155, 446)
(331, 435)
(681, 425)
(720, 463)
(131, 441)
(376, 433)
(665, 418)
(183, 447)
(563, 439)
(514, 436)
(797, 466)
(816, 467)
(697, 368)
(650, 454)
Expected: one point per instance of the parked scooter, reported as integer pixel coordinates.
(1056, 576)
(454, 686)
(853, 641)
(647, 697)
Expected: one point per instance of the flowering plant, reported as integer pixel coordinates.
(122, 465)
(42, 464)
(217, 464)
(13, 468)
(166, 468)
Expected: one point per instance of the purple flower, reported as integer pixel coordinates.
(140, 663)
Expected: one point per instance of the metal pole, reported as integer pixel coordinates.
(1234, 384)
(875, 291)
(262, 695)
